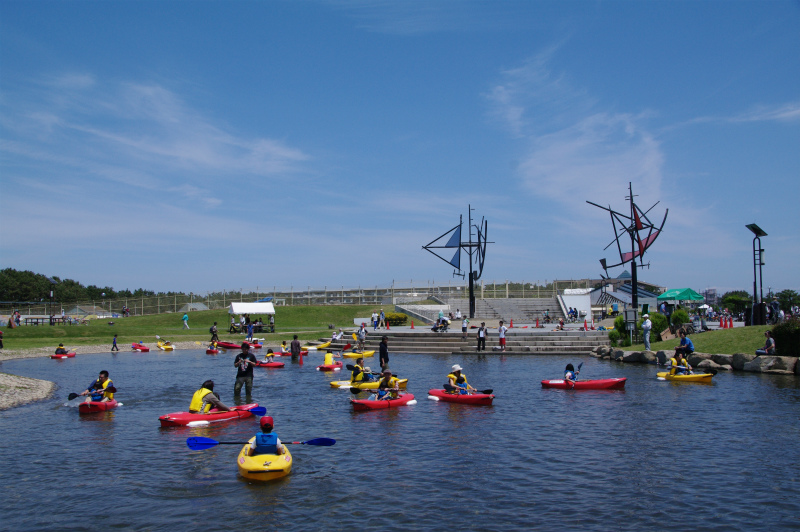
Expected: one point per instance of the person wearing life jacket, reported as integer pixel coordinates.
(388, 386)
(204, 398)
(96, 390)
(458, 380)
(680, 366)
(329, 356)
(60, 350)
(266, 441)
(270, 356)
(360, 373)
(212, 345)
(284, 349)
(570, 375)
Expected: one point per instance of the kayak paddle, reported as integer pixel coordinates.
(110, 389)
(451, 388)
(199, 443)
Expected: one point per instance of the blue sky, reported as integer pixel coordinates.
(204, 146)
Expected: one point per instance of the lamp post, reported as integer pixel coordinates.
(103, 295)
(757, 317)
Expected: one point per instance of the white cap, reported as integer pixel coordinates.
(456, 367)
(646, 316)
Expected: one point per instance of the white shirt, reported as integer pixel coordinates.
(502, 331)
(458, 314)
(465, 323)
(647, 325)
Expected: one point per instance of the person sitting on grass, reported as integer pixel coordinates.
(769, 346)
(686, 347)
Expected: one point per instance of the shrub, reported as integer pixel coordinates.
(396, 318)
(679, 317)
(613, 336)
(619, 324)
(787, 338)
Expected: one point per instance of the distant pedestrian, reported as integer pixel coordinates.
(185, 320)
(464, 325)
(501, 331)
(384, 352)
(381, 320)
(647, 325)
(214, 333)
(114, 344)
(249, 336)
(233, 325)
(272, 323)
(481, 335)
(374, 320)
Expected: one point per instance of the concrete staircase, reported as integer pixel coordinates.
(517, 309)
(518, 342)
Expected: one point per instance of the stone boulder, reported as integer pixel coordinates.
(649, 357)
(738, 360)
(695, 358)
(710, 364)
(617, 354)
(770, 364)
(723, 360)
(633, 356)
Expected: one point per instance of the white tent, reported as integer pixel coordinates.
(252, 308)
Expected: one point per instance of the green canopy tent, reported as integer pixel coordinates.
(680, 294)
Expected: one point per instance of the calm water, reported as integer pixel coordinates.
(656, 456)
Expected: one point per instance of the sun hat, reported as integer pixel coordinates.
(456, 367)
(646, 316)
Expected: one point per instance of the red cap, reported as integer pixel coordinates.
(267, 420)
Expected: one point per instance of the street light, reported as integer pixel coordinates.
(757, 318)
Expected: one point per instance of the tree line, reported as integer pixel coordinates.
(26, 286)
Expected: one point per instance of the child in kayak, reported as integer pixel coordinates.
(679, 364)
(60, 350)
(204, 398)
(329, 356)
(388, 387)
(570, 375)
(458, 380)
(96, 390)
(266, 442)
(284, 349)
(270, 356)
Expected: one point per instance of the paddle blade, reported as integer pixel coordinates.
(355, 337)
(350, 367)
(199, 443)
(258, 411)
(580, 366)
(72, 396)
(320, 442)
(356, 391)
(487, 392)
(348, 346)
(111, 389)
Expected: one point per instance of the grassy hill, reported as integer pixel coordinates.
(308, 322)
(722, 342)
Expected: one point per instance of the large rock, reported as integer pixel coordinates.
(710, 364)
(617, 354)
(649, 357)
(738, 360)
(633, 356)
(770, 364)
(723, 360)
(663, 357)
(695, 358)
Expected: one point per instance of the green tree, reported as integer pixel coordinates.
(736, 300)
(788, 298)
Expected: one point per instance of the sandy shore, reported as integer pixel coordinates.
(17, 391)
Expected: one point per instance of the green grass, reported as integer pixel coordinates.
(720, 342)
(308, 322)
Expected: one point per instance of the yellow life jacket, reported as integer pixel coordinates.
(458, 380)
(197, 401)
(328, 359)
(674, 363)
(392, 383)
(107, 395)
(358, 374)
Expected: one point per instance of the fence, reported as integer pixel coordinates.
(388, 295)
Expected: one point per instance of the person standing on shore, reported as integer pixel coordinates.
(381, 320)
(464, 325)
(384, 352)
(214, 333)
(272, 323)
(481, 335)
(647, 325)
(185, 320)
(374, 320)
(501, 331)
(244, 362)
(114, 344)
(362, 337)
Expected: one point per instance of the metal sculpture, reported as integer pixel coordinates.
(476, 251)
(642, 232)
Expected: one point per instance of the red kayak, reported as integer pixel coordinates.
(465, 399)
(253, 346)
(378, 404)
(68, 355)
(598, 384)
(96, 406)
(140, 347)
(228, 345)
(180, 419)
(336, 366)
(302, 353)
(212, 351)
(270, 364)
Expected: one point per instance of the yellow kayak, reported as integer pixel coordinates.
(165, 346)
(696, 377)
(316, 347)
(365, 385)
(363, 354)
(263, 466)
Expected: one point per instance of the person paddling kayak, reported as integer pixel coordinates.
(96, 390)
(204, 398)
(266, 441)
(60, 350)
(388, 386)
(680, 366)
(458, 380)
(570, 375)
(360, 373)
